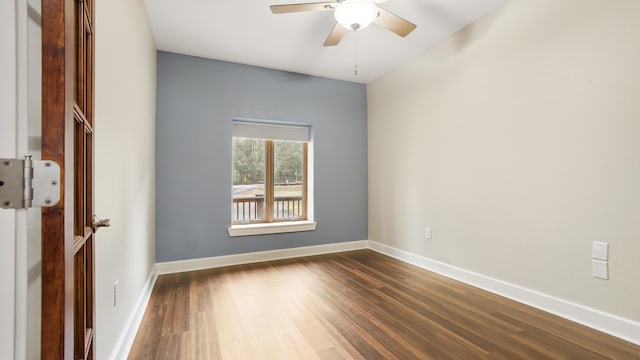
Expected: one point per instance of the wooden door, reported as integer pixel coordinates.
(68, 317)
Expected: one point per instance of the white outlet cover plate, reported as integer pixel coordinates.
(427, 233)
(600, 269)
(600, 251)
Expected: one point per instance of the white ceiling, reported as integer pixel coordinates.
(246, 32)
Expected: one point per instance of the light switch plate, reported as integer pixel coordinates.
(600, 251)
(600, 269)
(427, 233)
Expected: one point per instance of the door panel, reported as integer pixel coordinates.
(67, 137)
(83, 206)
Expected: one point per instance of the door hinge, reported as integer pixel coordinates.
(29, 183)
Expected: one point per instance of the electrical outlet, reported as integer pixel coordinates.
(115, 293)
(427, 233)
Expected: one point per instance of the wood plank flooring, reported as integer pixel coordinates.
(353, 305)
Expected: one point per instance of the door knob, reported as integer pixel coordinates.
(98, 223)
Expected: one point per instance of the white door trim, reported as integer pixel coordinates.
(13, 144)
(8, 137)
(21, 146)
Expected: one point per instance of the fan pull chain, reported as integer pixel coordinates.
(355, 68)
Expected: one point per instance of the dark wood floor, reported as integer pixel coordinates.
(354, 305)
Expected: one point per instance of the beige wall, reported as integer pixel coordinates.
(517, 141)
(125, 162)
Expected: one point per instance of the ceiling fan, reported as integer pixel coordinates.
(353, 15)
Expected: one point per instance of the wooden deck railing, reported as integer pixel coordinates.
(247, 209)
(287, 207)
(252, 209)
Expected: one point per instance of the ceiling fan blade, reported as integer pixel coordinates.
(290, 8)
(394, 23)
(335, 36)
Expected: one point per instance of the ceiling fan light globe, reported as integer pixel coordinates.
(356, 14)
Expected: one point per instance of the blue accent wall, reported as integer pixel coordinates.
(196, 102)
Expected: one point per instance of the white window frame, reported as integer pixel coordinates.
(281, 226)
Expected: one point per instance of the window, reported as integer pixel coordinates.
(270, 175)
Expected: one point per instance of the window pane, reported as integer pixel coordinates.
(288, 180)
(248, 180)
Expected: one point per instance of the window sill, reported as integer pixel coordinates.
(272, 228)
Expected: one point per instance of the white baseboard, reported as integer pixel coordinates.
(611, 324)
(125, 341)
(228, 260)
